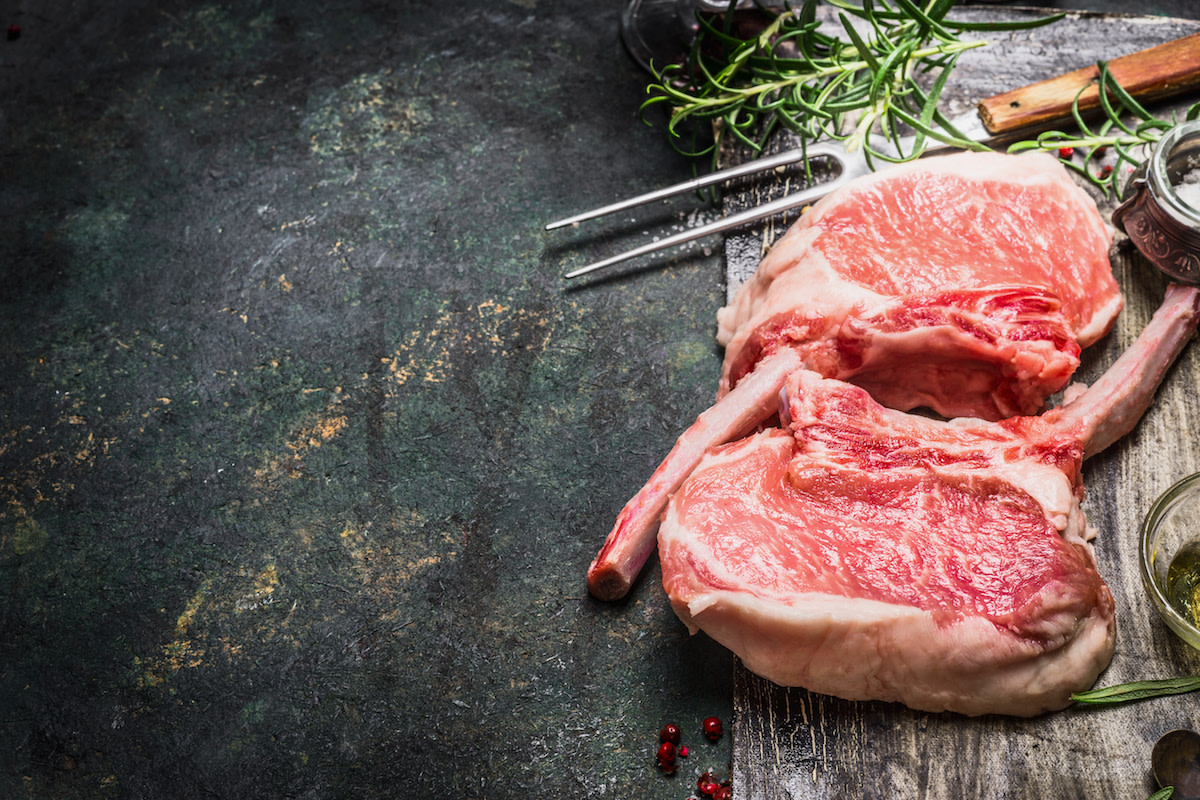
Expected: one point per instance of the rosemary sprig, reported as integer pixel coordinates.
(1126, 127)
(1163, 794)
(883, 72)
(1138, 690)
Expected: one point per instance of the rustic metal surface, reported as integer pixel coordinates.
(305, 446)
(791, 744)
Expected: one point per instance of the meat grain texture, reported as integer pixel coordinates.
(876, 554)
(854, 549)
(966, 284)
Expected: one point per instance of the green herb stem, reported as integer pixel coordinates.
(1138, 690)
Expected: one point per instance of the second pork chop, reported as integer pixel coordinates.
(874, 554)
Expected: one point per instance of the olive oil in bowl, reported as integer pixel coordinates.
(1170, 558)
(1183, 581)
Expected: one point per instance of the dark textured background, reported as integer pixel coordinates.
(305, 446)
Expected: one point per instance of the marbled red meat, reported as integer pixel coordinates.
(871, 553)
(965, 283)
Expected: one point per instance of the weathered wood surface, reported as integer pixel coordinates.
(790, 744)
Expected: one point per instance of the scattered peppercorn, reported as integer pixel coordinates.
(14, 32)
(1066, 152)
(666, 757)
(1099, 152)
(712, 728)
(1104, 172)
(708, 785)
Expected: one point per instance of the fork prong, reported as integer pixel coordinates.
(749, 168)
(788, 202)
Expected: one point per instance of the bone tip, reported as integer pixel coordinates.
(607, 583)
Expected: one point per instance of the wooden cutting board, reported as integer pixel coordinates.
(794, 745)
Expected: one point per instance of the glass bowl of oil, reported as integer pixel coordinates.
(1170, 558)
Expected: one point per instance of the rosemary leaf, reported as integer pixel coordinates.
(1109, 85)
(1164, 793)
(1138, 690)
(960, 25)
(925, 22)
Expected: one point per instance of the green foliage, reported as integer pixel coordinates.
(1138, 690)
(884, 72)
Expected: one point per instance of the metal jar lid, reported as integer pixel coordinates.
(1164, 227)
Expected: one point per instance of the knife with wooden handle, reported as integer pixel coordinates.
(1156, 73)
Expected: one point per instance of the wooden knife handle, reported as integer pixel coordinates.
(1153, 74)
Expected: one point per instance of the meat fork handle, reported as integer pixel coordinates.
(1156, 73)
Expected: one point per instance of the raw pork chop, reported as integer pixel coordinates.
(965, 283)
(874, 554)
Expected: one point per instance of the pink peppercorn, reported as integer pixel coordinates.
(712, 728)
